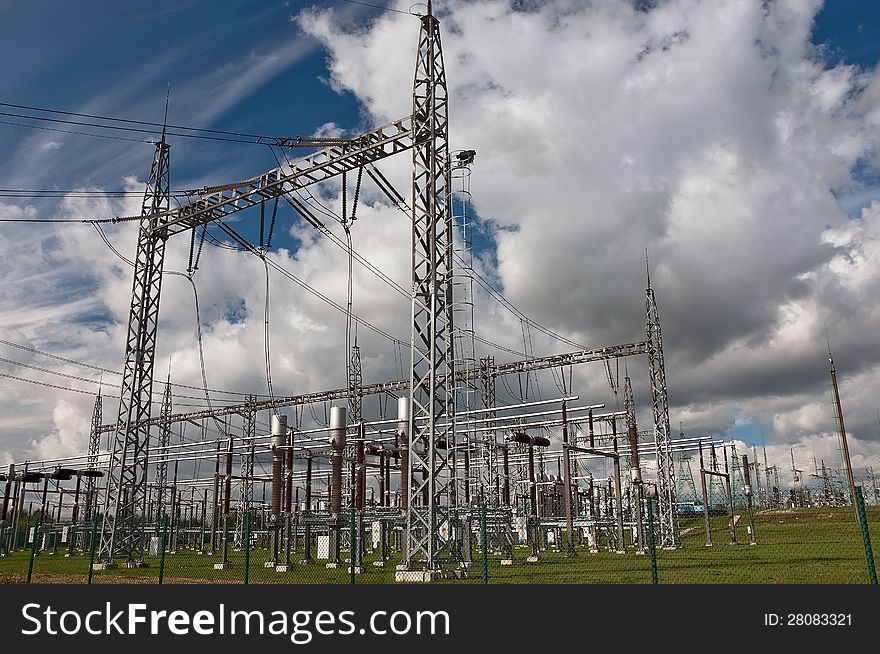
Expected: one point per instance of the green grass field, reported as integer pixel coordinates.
(803, 546)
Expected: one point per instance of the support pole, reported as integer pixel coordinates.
(279, 438)
(748, 493)
(618, 494)
(705, 499)
(569, 521)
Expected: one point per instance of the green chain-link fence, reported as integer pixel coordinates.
(483, 545)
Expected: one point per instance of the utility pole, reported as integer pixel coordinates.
(841, 428)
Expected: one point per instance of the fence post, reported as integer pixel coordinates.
(33, 552)
(866, 536)
(162, 548)
(483, 543)
(652, 545)
(247, 545)
(92, 545)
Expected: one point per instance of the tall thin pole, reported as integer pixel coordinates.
(842, 430)
(569, 523)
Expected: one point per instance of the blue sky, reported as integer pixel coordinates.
(246, 68)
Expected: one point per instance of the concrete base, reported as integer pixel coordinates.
(269, 564)
(506, 561)
(620, 551)
(594, 551)
(533, 559)
(465, 564)
(332, 566)
(752, 543)
(306, 561)
(283, 567)
(379, 564)
(357, 570)
(642, 553)
(401, 566)
(222, 566)
(417, 576)
(137, 564)
(106, 566)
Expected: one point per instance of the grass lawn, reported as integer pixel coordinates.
(803, 546)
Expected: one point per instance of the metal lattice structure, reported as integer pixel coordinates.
(355, 416)
(488, 450)
(432, 368)
(164, 441)
(669, 536)
(94, 448)
(246, 493)
(125, 497)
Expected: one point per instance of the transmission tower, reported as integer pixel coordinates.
(462, 303)
(488, 451)
(94, 448)
(432, 369)
(164, 441)
(669, 536)
(125, 497)
(355, 415)
(246, 496)
(686, 486)
(737, 481)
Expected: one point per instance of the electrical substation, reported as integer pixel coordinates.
(435, 464)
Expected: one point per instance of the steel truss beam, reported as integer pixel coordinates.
(220, 201)
(513, 367)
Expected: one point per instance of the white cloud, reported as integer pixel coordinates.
(714, 136)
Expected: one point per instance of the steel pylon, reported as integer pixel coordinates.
(431, 397)
(125, 497)
(669, 536)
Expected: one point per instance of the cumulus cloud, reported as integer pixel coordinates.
(717, 137)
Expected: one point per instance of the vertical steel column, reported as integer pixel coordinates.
(94, 446)
(566, 455)
(279, 437)
(164, 440)
(705, 499)
(215, 500)
(490, 442)
(431, 369)
(632, 435)
(122, 530)
(748, 493)
(246, 495)
(618, 493)
(10, 478)
(307, 514)
(403, 448)
(669, 536)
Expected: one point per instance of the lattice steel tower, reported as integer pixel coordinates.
(94, 448)
(669, 536)
(164, 442)
(125, 497)
(431, 436)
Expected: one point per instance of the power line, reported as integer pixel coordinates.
(160, 129)
(129, 120)
(100, 369)
(367, 4)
